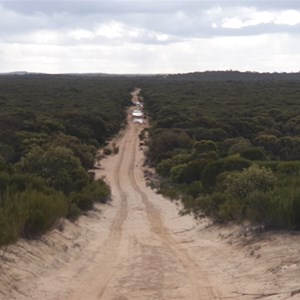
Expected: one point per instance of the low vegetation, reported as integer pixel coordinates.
(227, 144)
(50, 129)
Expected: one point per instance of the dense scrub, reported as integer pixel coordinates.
(228, 144)
(50, 129)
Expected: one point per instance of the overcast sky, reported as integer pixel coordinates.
(172, 36)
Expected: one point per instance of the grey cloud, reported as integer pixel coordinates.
(270, 4)
(118, 7)
(180, 20)
(260, 29)
(147, 36)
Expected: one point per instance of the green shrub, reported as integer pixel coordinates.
(284, 210)
(194, 189)
(85, 152)
(12, 218)
(210, 155)
(181, 158)
(73, 211)
(255, 178)
(206, 205)
(253, 153)
(254, 194)
(163, 167)
(3, 164)
(21, 182)
(296, 209)
(165, 141)
(82, 200)
(18, 182)
(96, 191)
(194, 170)
(213, 169)
(272, 165)
(246, 193)
(241, 145)
(99, 190)
(289, 167)
(205, 146)
(42, 210)
(29, 214)
(170, 192)
(4, 181)
(58, 166)
(177, 173)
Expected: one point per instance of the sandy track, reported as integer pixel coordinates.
(139, 248)
(92, 285)
(200, 284)
(153, 265)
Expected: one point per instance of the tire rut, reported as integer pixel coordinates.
(200, 291)
(109, 261)
(117, 225)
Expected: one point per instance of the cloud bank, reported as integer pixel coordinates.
(149, 36)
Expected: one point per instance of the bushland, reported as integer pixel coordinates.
(50, 130)
(227, 144)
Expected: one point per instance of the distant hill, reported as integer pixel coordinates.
(20, 73)
(15, 73)
(232, 76)
(194, 76)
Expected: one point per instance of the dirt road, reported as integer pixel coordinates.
(139, 248)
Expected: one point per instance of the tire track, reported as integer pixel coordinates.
(117, 225)
(97, 282)
(200, 291)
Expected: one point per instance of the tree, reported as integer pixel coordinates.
(253, 153)
(86, 153)
(268, 141)
(247, 193)
(215, 168)
(163, 168)
(205, 146)
(165, 141)
(177, 173)
(241, 184)
(241, 145)
(59, 166)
